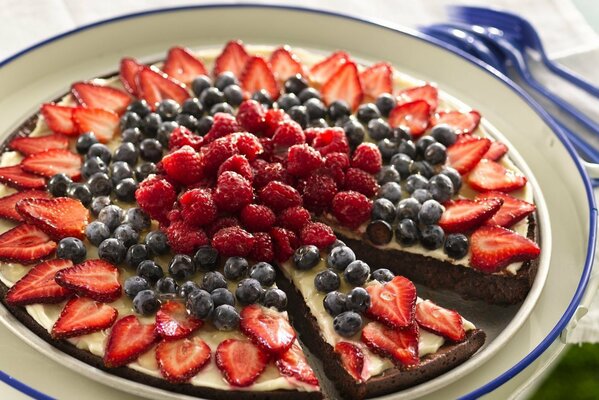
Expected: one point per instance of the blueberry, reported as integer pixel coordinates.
(387, 174)
(167, 285)
(157, 243)
(138, 219)
(150, 125)
(414, 182)
(318, 123)
(263, 97)
(430, 212)
(436, 154)
(199, 304)
(456, 178)
(408, 148)
(71, 248)
(139, 107)
(379, 232)
(125, 190)
(423, 143)
(98, 203)
(354, 131)
(456, 245)
(200, 83)
(81, 192)
(385, 103)
(136, 254)
(143, 170)
(225, 318)
(391, 191)
(338, 109)
(219, 108)
(358, 300)
(306, 257)
(379, 129)
(129, 120)
(248, 291)
(59, 184)
(431, 236)
(168, 109)
(206, 258)
(97, 232)
(402, 163)
(309, 93)
(387, 147)
(150, 150)
(407, 232)
(336, 243)
(164, 132)
(135, 284)
(400, 134)
(181, 267)
(120, 170)
(275, 298)
(344, 120)
(222, 296)
(225, 79)
(187, 288)
(340, 257)
(295, 84)
(264, 273)
(213, 280)
(235, 268)
(300, 115)
(441, 188)
(288, 100)
(367, 112)
(335, 303)
(85, 141)
(92, 166)
(100, 150)
(146, 302)
(327, 280)
(100, 184)
(205, 124)
(347, 324)
(356, 272)
(131, 135)
(422, 195)
(192, 106)
(126, 234)
(382, 275)
(383, 209)
(444, 134)
(112, 250)
(422, 168)
(408, 209)
(150, 271)
(126, 152)
(315, 108)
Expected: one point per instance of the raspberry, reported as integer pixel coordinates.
(318, 234)
(287, 134)
(181, 136)
(197, 207)
(336, 160)
(250, 116)
(367, 157)
(311, 133)
(183, 166)
(285, 243)
(262, 250)
(265, 172)
(239, 164)
(318, 192)
(272, 119)
(185, 239)
(232, 192)
(331, 140)
(220, 223)
(361, 181)
(268, 148)
(216, 153)
(303, 159)
(156, 197)
(279, 196)
(293, 218)
(223, 125)
(233, 241)
(255, 217)
(248, 144)
(351, 208)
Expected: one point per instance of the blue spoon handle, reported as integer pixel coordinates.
(570, 76)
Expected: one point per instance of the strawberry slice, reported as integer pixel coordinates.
(461, 122)
(128, 339)
(8, 203)
(27, 145)
(81, 315)
(91, 95)
(490, 175)
(293, 363)
(59, 118)
(426, 92)
(352, 359)
(494, 247)
(233, 58)
(230, 352)
(464, 215)
(324, 70)
(392, 303)
(464, 155)
(181, 359)
(96, 279)
(15, 177)
(155, 86)
(344, 85)
(59, 217)
(412, 116)
(257, 75)
(128, 72)
(513, 210)
(102, 123)
(377, 79)
(182, 65)
(51, 162)
(25, 244)
(285, 63)
(399, 344)
(439, 320)
(267, 329)
(173, 321)
(496, 151)
(38, 285)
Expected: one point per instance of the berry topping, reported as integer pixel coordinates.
(232, 192)
(156, 197)
(30, 145)
(8, 203)
(464, 155)
(181, 359)
(257, 75)
(128, 339)
(496, 151)
(228, 354)
(102, 123)
(326, 281)
(91, 95)
(331, 140)
(460, 122)
(356, 273)
(50, 162)
(233, 58)
(181, 136)
(426, 92)
(128, 71)
(200, 304)
(456, 245)
(173, 321)
(377, 79)
(361, 181)
(344, 85)
(399, 344)
(223, 125)
(352, 359)
(225, 317)
(317, 234)
(347, 324)
(293, 363)
(59, 118)
(267, 329)
(393, 303)
(183, 66)
(96, 279)
(15, 177)
(464, 215)
(322, 71)
(233, 241)
(306, 257)
(303, 160)
(512, 210)
(285, 63)
(250, 116)
(58, 217)
(439, 320)
(39, 286)
(156, 86)
(263, 247)
(72, 249)
(25, 244)
(279, 196)
(197, 207)
(81, 316)
(367, 157)
(351, 208)
(490, 175)
(183, 165)
(412, 116)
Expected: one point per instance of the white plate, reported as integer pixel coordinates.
(46, 71)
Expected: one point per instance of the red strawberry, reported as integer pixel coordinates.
(393, 303)
(25, 244)
(39, 286)
(154, 86)
(322, 71)
(293, 363)
(181, 359)
(285, 63)
(58, 217)
(128, 72)
(128, 339)
(233, 58)
(494, 247)
(102, 123)
(464, 215)
(461, 122)
(183, 66)
(426, 92)
(465, 154)
(59, 118)
(377, 79)
(29, 145)
(496, 151)
(51, 162)
(267, 328)
(173, 321)
(183, 166)
(91, 95)
(513, 210)
(399, 344)
(15, 177)
(96, 279)
(412, 116)
(82, 315)
(228, 355)
(439, 320)
(352, 359)
(489, 175)
(257, 75)
(8, 203)
(344, 84)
